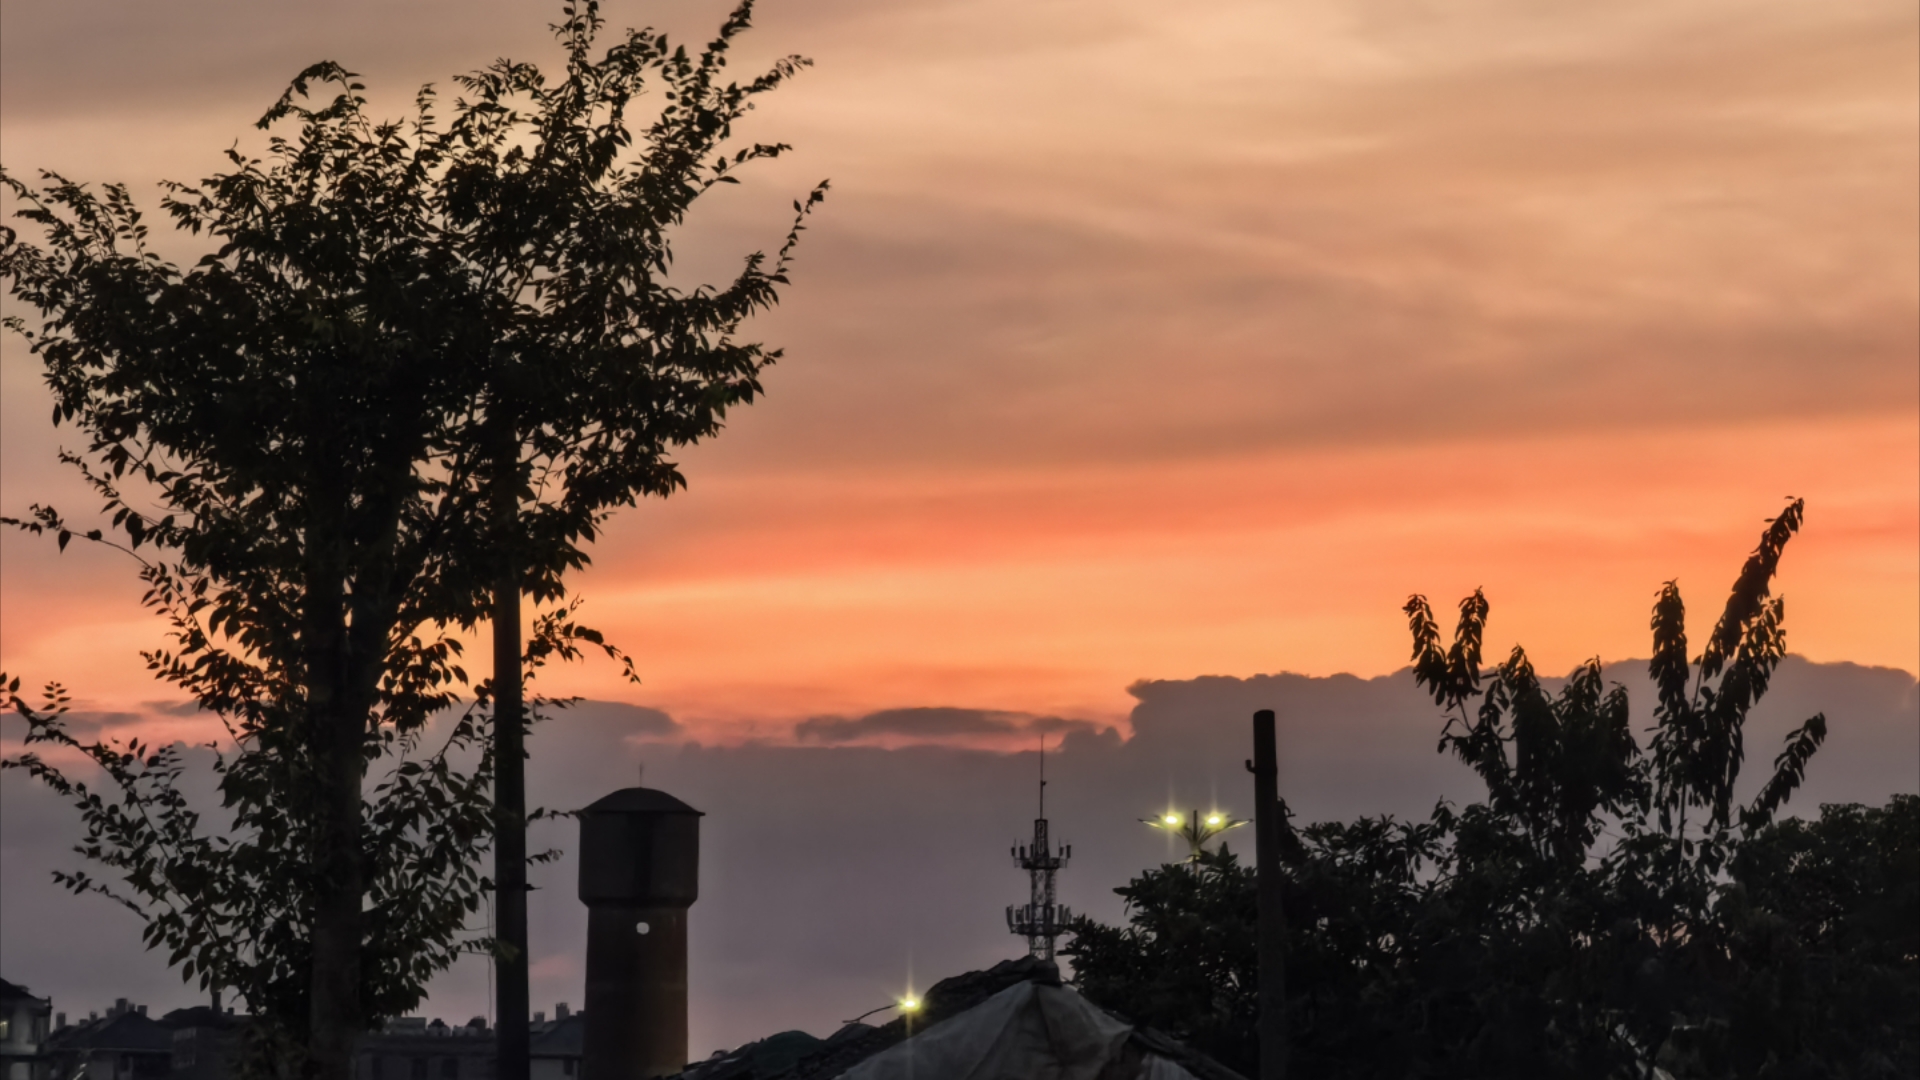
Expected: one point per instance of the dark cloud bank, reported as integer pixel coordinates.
(935, 724)
(831, 869)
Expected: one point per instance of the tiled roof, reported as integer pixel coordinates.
(560, 1038)
(128, 1031)
(202, 1016)
(15, 992)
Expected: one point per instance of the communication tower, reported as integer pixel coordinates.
(1040, 920)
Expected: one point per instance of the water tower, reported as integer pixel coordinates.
(639, 873)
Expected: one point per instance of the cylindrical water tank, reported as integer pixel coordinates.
(639, 872)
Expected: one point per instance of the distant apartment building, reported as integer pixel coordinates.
(125, 1044)
(204, 1043)
(413, 1048)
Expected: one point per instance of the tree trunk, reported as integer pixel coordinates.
(336, 729)
(510, 796)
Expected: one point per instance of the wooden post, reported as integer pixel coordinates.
(1267, 824)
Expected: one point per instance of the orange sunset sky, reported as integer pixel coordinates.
(1151, 340)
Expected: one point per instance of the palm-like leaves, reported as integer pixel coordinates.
(1560, 764)
(1699, 740)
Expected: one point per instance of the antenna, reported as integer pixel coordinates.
(1043, 774)
(1040, 920)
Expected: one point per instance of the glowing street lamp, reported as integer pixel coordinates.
(908, 1006)
(1195, 829)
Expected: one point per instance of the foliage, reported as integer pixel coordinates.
(1570, 925)
(219, 896)
(1187, 953)
(1447, 948)
(316, 408)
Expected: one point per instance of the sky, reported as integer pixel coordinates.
(1147, 341)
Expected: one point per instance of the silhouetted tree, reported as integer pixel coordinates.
(414, 345)
(1517, 938)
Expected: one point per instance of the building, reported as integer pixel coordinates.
(25, 1023)
(207, 1042)
(558, 1045)
(1014, 1020)
(414, 1048)
(125, 1044)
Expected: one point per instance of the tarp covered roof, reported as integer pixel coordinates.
(1028, 1031)
(1014, 1021)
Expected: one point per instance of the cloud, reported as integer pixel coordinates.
(87, 725)
(933, 724)
(630, 722)
(845, 870)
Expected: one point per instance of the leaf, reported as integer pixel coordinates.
(1789, 771)
(1750, 589)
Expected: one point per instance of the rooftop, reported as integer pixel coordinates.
(986, 1007)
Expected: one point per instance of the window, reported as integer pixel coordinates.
(450, 1068)
(418, 1068)
(6, 1028)
(566, 1066)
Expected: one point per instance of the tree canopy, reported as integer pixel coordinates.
(1573, 924)
(316, 406)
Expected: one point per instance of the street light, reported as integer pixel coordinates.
(908, 1006)
(1195, 829)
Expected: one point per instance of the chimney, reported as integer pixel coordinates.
(119, 1006)
(59, 1021)
(561, 1012)
(141, 1009)
(539, 1017)
(639, 873)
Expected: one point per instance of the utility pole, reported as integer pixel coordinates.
(1267, 823)
(1041, 920)
(512, 1002)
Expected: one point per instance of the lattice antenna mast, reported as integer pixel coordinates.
(1041, 920)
